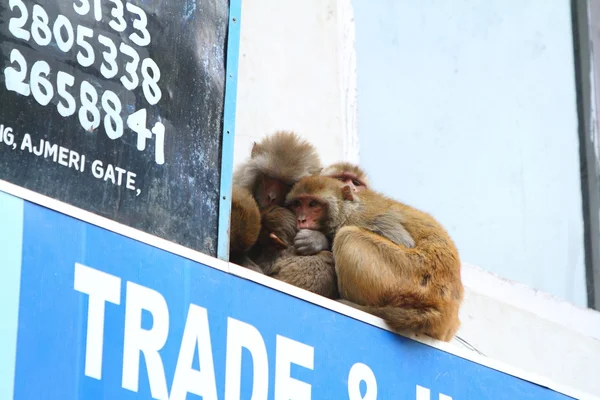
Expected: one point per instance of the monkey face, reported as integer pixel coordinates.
(270, 191)
(351, 180)
(310, 213)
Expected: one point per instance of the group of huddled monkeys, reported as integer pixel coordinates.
(326, 231)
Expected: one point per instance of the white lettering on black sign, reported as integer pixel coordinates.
(29, 77)
(117, 107)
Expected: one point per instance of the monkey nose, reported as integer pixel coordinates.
(302, 223)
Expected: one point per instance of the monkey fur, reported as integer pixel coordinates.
(349, 173)
(283, 156)
(281, 223)
(276, 163)
(310, 242)
(278, 258)
(315, 273)
(391, 260)
(244, 232)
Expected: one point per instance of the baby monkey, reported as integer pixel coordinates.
(391, 260)
(276, 255)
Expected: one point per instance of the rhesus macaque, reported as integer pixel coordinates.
(244, 229)
(275, 165)
(308, 242)
(391, 260)
(351, 174)
(276, 255)
(276, 238)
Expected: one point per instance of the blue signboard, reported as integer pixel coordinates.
(90, 314)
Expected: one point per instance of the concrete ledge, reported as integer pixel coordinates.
(533, 330)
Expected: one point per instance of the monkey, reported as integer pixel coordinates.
(391, 260)
(309, 242)
(276, 256)
(245, 229)
(276, 163)
(278, 229)
(352, 175)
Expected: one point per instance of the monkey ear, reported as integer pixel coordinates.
(347, 193)
(255, 150)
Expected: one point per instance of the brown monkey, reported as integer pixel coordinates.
(391, 260)
(275, 164)
(279, 259)
(245, 227)
(276, 238)
(315, 273)
(309, 242)
(276, 255)
(352, 175)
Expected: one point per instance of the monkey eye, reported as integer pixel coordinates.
(313, 203)
(356, 183)
(296, 203)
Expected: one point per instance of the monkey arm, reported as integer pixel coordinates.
(310, 242)
(245, 221)
(388, 226)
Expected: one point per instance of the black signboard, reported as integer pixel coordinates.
(116, 107)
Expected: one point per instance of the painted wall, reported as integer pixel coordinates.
(293, 75)
(467, 110)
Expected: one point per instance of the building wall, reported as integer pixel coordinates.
(467, 109)
(295, 61)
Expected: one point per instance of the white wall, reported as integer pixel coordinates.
(467, 109)
(295, 64)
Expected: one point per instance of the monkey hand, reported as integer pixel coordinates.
(308, 242)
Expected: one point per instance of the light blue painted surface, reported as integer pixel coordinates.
(233, 47)
(467, 110)
(11, 236)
